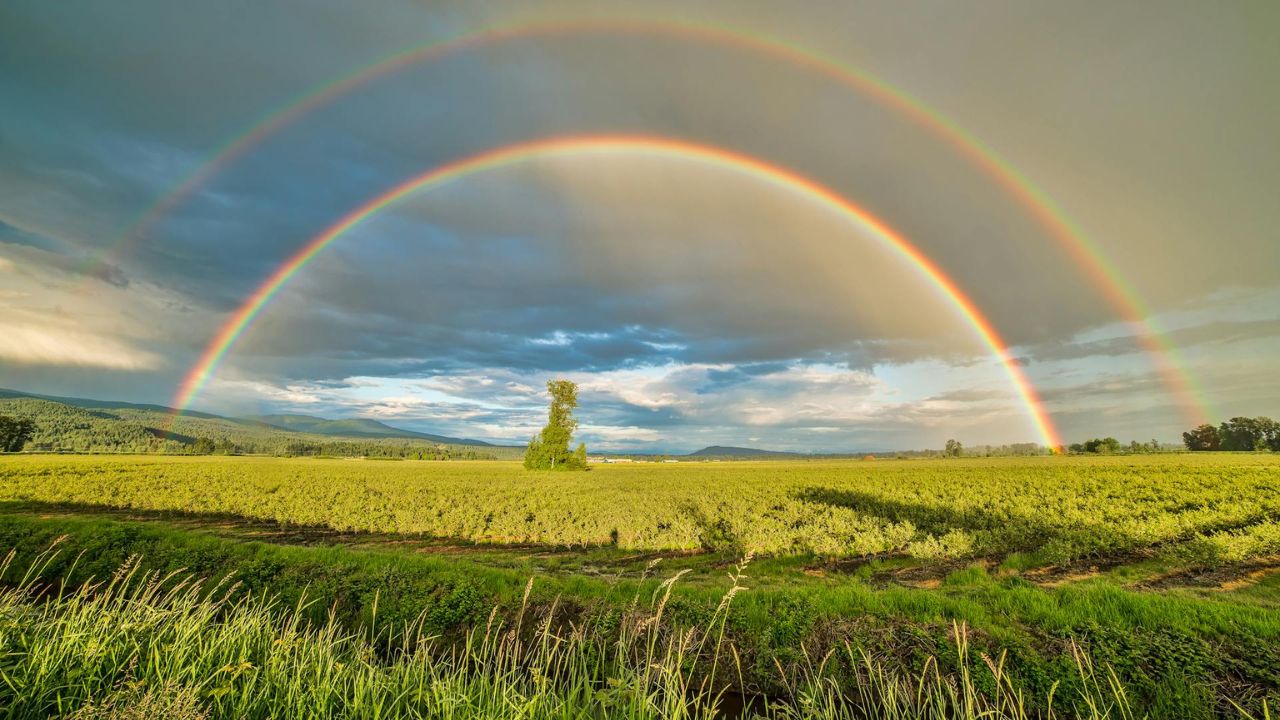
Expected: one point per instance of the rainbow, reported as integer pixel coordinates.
(244, 316)
(1087, 254)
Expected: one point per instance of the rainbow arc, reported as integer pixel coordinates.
(1087, 254)
(241, 320)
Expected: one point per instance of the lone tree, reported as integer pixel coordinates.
(549, 449)
(14, 433)
(953, 449)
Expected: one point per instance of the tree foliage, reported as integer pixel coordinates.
(1238, 433)
(953, 449)
(14, 433)
(549, 449)
(1097, 446)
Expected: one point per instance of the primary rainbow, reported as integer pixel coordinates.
(1119, 293)
(235, 327)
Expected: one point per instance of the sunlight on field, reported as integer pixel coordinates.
(1217, 507)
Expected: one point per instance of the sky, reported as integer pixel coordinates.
(693, 302)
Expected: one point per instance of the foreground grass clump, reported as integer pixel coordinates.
(146, 645)
(1061, 509)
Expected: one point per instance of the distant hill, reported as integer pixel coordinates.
(101, 404)
(354, 427)
(65, 424)
(729, 451)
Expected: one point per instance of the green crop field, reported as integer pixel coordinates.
(1143, 585)
(1060, 509)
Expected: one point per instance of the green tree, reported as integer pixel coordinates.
(1204, 437)
(203, 446)
(1270, 433)
(953, 449)
(14, 433)
(549, 449)
(1242, 433)
(1098, 446)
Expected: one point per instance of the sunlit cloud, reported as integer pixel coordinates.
(39, 342)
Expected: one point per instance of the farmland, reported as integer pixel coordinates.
(1061, 510)
(1160, 568)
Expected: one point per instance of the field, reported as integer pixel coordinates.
(1227, 508)
(1157, 571)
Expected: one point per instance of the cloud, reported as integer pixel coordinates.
(701, 301)
(675, 261)
(54, 319)
(1217, 333)
(35, 342)
(792, 405)
(968, 395)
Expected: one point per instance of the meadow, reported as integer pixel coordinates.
(1089, 587)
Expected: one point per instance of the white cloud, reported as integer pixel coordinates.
(44, 344)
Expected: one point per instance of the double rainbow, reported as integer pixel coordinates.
(1119, 293)
(598, 144)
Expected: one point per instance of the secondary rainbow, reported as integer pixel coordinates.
(235, 327)
(1119, 293)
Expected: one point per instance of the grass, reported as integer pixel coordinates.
(148, 645)
(1167, 648)
(1040, 589)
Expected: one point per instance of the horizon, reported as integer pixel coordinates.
(521, 442)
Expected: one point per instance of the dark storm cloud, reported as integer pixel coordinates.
(50, 256)
(1153, 130)
(292, 186)
(18, 236)
(720, 379)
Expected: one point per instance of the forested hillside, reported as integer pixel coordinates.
(89, 427)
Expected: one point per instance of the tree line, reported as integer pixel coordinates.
(1093, 446)
(1112, 446)
(1238, 433)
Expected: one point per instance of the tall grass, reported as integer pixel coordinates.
(140, 645)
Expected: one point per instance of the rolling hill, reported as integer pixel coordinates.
(66, 424)
(726, 451)
(354, 427)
